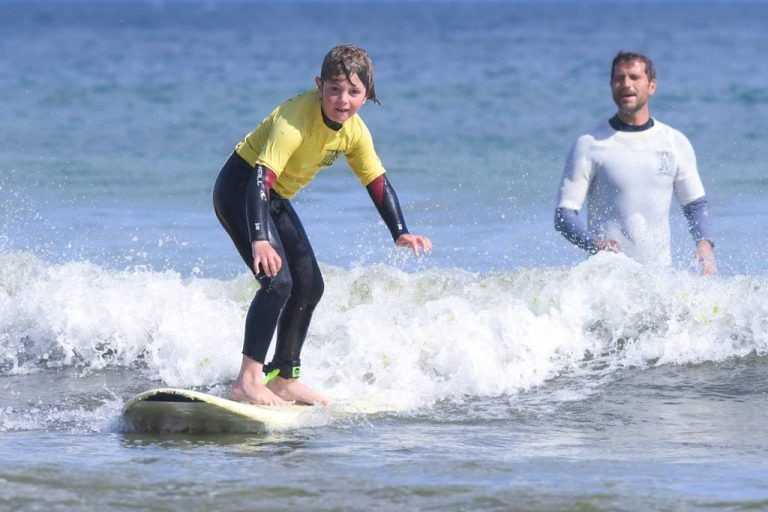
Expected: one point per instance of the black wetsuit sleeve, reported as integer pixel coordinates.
(568, 223)
(697, 215)
(385, 199)
(257, 203)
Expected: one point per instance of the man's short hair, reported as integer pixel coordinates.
(623, 57)
(347, 60)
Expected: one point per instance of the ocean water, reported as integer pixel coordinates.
(504, 371)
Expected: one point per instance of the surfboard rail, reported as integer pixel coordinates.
(177, 410)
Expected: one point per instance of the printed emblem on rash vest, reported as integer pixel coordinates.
(331, 156)
(666, 163)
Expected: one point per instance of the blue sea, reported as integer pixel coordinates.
(504, 371)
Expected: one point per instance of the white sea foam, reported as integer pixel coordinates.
(381, 338)
(52, 417)
(79, 313)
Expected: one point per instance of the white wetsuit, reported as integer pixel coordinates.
(629, 177)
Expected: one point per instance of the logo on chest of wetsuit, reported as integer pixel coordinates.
(331, 156)
(666, 162)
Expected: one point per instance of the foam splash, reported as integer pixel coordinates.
(381, 338)
(78, 313)
(410, 339)
(104, 418)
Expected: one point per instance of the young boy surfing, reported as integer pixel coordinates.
(251, 198)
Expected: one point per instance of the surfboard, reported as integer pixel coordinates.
(175, 410)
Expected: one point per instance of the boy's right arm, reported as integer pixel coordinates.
(257, 202)
(257, 214)
(282, 141)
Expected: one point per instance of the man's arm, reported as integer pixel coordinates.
(690, 192)
(574, 187)
(568, 223)
(697, 215)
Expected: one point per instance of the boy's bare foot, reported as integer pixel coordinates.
(257, 394)
(294, 390)
(249, 386)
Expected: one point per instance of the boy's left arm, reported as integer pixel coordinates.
(367, 166)
(385, 199)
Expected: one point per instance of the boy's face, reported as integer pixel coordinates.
(341, 98)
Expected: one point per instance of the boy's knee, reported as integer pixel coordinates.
(309, 292)
(318, 287)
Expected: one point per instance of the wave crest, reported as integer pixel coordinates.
(381, 335)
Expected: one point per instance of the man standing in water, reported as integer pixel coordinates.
(628, 167)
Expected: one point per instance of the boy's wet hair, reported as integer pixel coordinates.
(347, 60)
(623, 57)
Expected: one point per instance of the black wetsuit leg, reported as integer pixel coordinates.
(307, 287)
(291, 296)
(264, 312)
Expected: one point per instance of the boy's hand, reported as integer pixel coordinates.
(266, 256)
(415, 242)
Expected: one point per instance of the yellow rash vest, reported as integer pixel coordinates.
(295, 143)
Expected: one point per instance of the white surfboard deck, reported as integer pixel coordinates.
(175, 410)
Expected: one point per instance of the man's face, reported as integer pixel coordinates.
(341, 98)
(631, 87)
